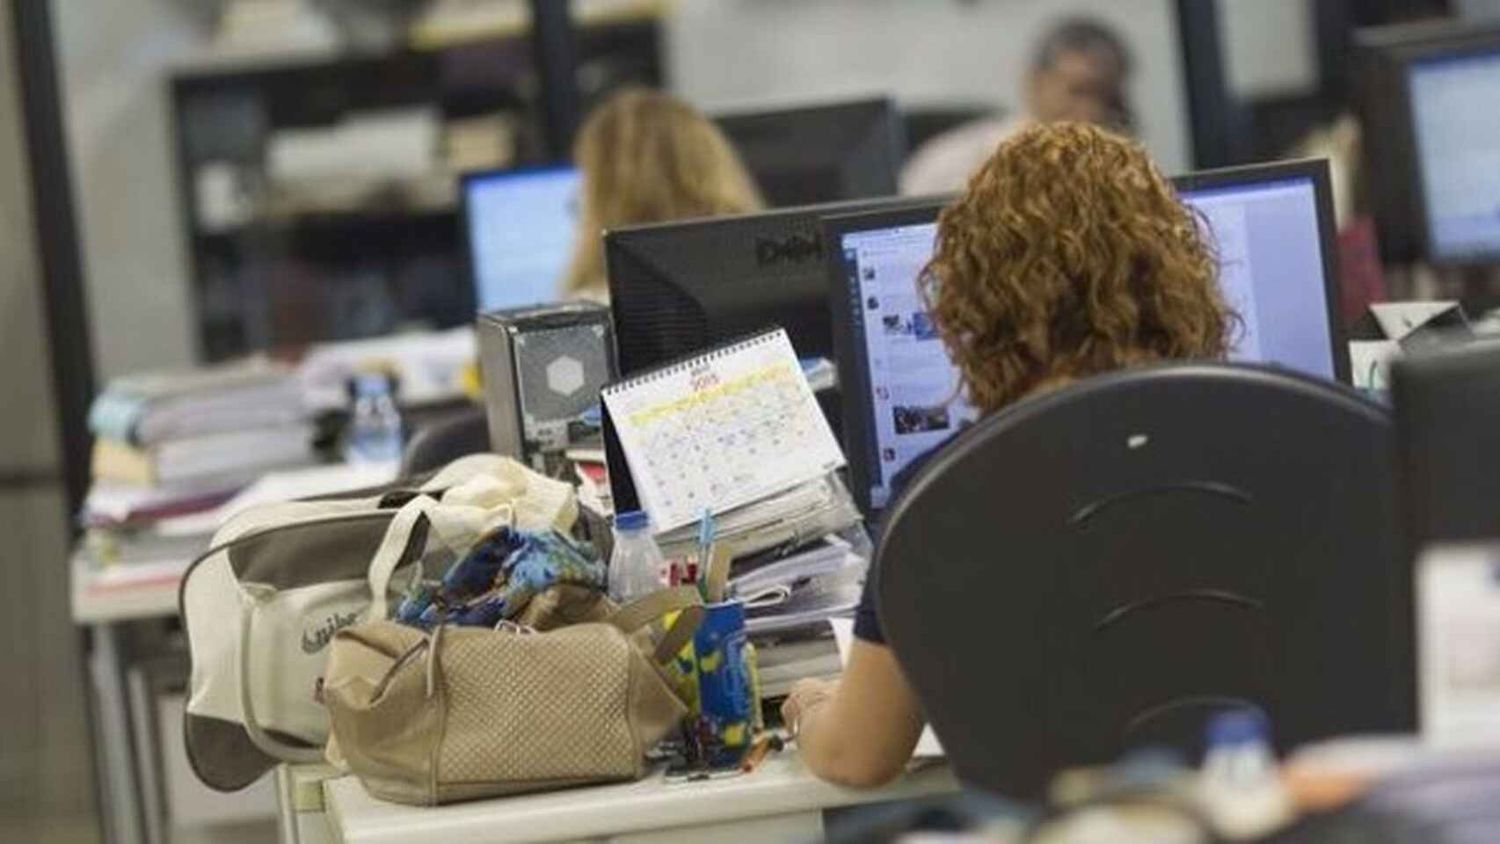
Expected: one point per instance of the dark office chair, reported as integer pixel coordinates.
(434, 445)
(1447, 404)
(1104, 567)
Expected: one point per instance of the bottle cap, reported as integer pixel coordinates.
(371, 383)
(631, 520)
(1239, 726)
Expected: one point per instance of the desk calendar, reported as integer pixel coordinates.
(720, 430)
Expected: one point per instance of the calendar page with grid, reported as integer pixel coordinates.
(720, 430)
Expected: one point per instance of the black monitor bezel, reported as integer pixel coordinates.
(617, 241)
(1317, 170)
(465, 183)
(854, 379)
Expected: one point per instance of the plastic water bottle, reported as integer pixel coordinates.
(636, 566)
(1240, 786)
(374, 434)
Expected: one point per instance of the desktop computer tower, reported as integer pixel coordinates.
(543, 368)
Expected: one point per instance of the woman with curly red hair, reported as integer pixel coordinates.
(1069, 255)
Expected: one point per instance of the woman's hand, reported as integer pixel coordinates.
(806, 696)
(858, 730)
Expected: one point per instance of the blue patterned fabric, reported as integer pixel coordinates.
(498, 577)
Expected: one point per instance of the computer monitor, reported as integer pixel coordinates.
(1431, 140)
(1273, 228)
(1457, 130)
(822, 153)
(677, 288)
(520, 226)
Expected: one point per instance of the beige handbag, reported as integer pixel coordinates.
(463, 713)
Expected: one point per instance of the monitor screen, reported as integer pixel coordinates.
(521, 226)
(1457, 135)
(901, 395)
(910, 392)
(1272, 270)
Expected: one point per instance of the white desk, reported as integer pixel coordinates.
(780, 801)
(98, 600)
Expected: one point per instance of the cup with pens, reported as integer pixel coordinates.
(721, 658)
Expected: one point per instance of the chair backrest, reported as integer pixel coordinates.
(439, 443)
(1105, 566)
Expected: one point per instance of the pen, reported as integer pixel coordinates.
(705, 543)
(757, 752)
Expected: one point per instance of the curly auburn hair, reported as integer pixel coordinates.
(1070, 255)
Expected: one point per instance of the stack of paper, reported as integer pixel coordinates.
(781, 661)
(804, 589)
(276, 487)
(227, 460)
(803, 514)
(156, 407)
(172, 444)
(431, 366)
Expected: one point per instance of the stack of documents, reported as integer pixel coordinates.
(169, 445)
(431, 366)
(195, 432)
(225, 460)
(158, 407)
(805, 513)
(781, 661)
(805, 588)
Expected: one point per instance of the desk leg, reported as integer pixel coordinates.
(299, 804)
(118, 788)
(800, 826)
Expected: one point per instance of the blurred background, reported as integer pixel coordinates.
(188, 181)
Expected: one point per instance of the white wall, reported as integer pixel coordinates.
(723, 53)
(112, 57)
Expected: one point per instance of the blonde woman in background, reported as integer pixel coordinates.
(648, 157)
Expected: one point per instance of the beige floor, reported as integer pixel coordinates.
(246, 833)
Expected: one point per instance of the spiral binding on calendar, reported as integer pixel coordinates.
(687, 364)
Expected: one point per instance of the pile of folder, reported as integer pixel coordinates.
(169, 445)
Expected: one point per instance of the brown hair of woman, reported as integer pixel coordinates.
(648, 157)
(1070, 255)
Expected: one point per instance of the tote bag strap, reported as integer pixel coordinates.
(409, 525)
(647, 609)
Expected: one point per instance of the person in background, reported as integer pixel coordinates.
(1079, 73)
(1068, 256)
(647, 157)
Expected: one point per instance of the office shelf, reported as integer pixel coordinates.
(267, 273)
